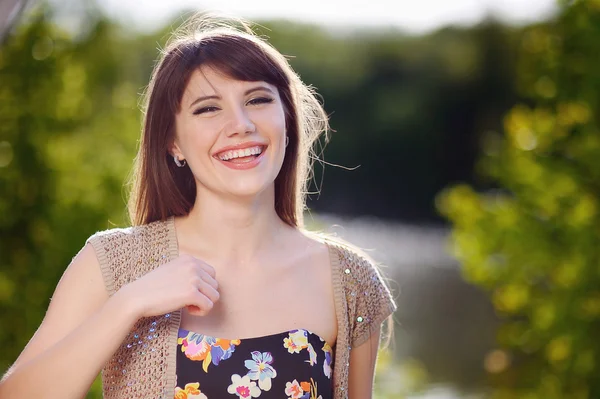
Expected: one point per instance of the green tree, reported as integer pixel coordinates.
(68, 127)
(533, 241)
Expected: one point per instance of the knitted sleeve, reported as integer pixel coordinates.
(127, 254)
(143, 365)
(369, 299)
(110, 246)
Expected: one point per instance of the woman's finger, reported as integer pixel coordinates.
(209, 291)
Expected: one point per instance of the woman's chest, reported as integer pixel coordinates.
(260, 304)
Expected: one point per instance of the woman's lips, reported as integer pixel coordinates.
(243, 163)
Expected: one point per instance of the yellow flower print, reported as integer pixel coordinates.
(199, 347)
(191, 391)
(296, 341)
(328, 359)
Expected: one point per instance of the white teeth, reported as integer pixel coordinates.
(226, 156)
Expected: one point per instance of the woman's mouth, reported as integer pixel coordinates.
(243, 158)
(241, 155)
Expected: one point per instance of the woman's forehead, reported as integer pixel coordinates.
(209, 81)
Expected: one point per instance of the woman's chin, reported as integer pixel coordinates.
(247, 191)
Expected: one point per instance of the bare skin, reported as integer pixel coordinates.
(81, 312)
(288, 286)
(241, 271)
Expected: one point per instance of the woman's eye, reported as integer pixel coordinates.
(204, 110)
(260, 100)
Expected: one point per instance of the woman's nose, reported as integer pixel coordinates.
(239, 122)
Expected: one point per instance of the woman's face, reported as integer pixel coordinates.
(231, 133)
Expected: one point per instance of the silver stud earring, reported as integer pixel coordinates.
(287, 140)
(180, 164)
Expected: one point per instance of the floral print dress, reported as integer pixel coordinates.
(295, 364)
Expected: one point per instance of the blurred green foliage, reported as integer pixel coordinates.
(533, 241)
(410, 110)
(68, 131)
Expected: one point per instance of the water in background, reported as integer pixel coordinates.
(444, 327)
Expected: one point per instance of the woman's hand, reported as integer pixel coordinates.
(183, 282)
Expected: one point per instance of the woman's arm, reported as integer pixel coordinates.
(81, 330)
(362, 368)
(84, 327)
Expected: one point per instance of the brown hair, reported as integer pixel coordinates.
(159, 188)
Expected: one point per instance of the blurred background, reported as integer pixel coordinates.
(468, 136)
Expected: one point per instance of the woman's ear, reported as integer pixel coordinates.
(175, 151)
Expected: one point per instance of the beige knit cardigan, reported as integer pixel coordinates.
(144, 365)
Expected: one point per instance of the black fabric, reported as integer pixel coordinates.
(298, 363)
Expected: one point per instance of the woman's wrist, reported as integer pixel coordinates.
(124, 307)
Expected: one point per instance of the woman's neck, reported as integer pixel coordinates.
(232, 230)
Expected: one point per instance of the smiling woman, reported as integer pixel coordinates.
(243, 128)
(187, 91)
(217, 290)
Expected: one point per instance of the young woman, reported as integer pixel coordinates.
(217, 290)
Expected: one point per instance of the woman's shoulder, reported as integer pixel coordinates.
(346, 254)
(352, 264)
(368, 297)
(133, 234)
(125, 254)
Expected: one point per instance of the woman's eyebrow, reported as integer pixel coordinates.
(215, 97)
(204, 98)
(258, 88)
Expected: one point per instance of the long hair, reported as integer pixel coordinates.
(159, 189)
